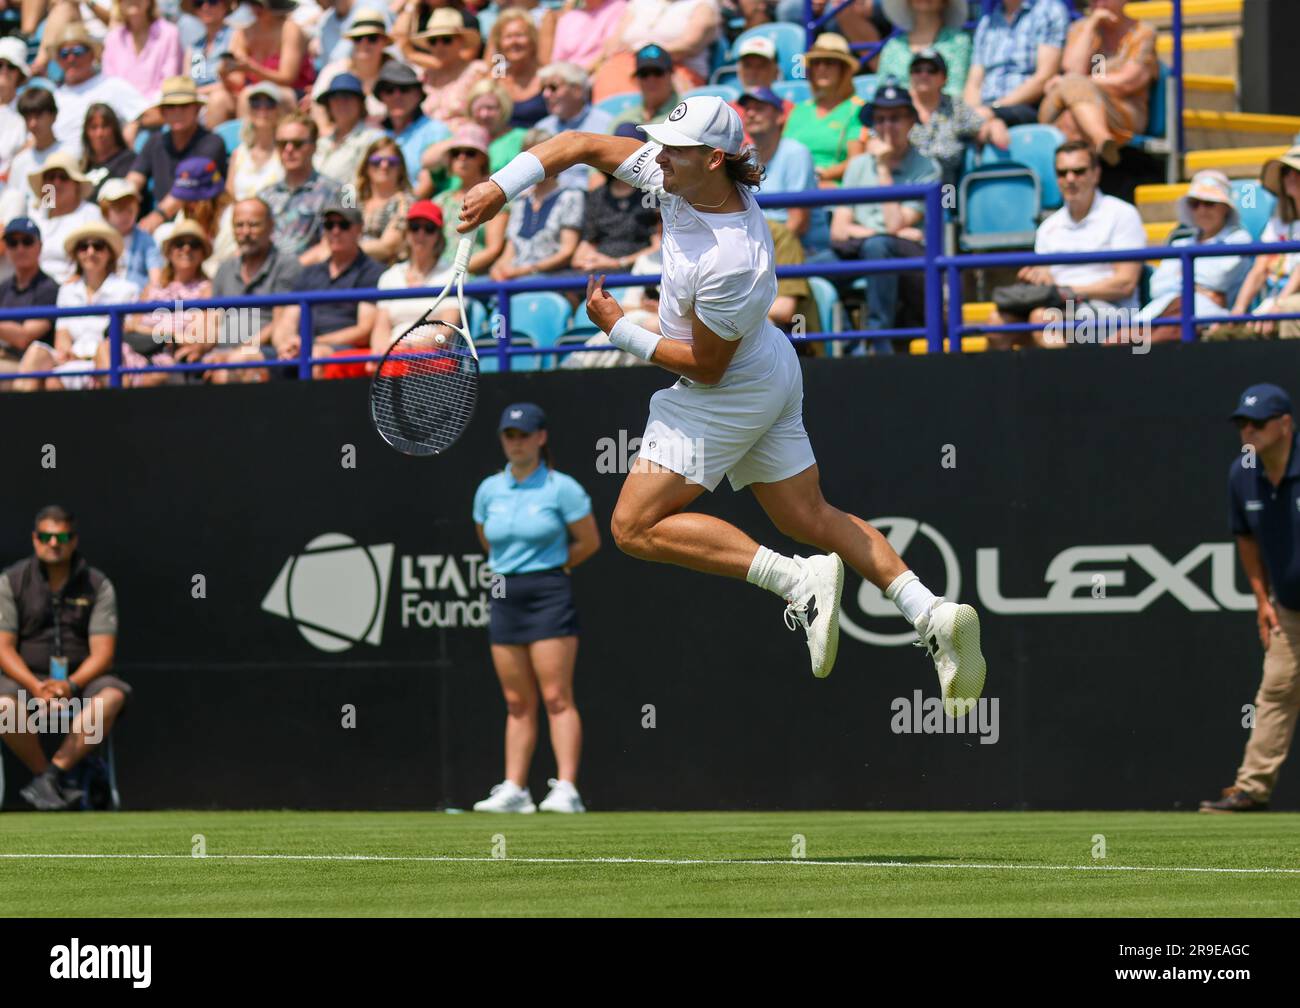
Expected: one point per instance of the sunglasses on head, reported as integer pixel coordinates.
(19, 241)
(73, 51)
(336, 224)
(91, 245)
(53, 537)
(422, 227)
(293, 144)
(383, 160)
(1067, 172)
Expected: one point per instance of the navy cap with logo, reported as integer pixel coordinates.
(653, 57)
(343, 84)
(22, 226)
(525, 416)
(888, 96)
(932, 57)
(761, 94)
(1262, 402)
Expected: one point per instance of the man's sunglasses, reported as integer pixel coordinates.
(1244, 422)
(73, 51)
(1067, 172)
(383, 161)
(337, 224)
(422, 227)
(650, 73)
(210, 3)
(49, 538)
(384, 90)
(19, 241)
(925, 68)
(293, 144)
(90, 245)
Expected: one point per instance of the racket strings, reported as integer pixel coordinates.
(424, 390)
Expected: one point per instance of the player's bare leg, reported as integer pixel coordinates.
(949, 632)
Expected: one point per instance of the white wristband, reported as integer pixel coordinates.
(523, 172)
(635, 339)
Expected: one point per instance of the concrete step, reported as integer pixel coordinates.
(1204, 52)
(1206, 129)
(1160, 13)
(1235, 162)
(1211, 92)
(1158, 202)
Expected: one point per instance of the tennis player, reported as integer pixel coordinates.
(737, 407)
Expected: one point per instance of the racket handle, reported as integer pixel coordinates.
(463, 252)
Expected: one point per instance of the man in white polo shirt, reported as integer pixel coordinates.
(1090, 221)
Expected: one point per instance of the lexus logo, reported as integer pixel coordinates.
(901, 533)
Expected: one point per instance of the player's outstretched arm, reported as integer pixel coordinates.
(546, 160)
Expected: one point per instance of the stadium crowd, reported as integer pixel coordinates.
(153, 152)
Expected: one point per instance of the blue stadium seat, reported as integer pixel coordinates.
(1035, 145)
(793, 90)
(1162, 134)
(617, 104)
(543, 316)
(1256, 205)
(998, 208)
(229, 133)
(488, 363)
(789, 39)
(865, 86)
(727, 92)
(829, 309)
(580, 324)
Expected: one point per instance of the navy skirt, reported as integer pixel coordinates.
(535, 607)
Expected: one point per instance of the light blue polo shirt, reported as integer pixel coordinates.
(526, 524)
(413, 141)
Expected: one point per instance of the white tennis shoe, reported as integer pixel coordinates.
(506, 797)
(815, 606)
(563, 797)
(951, 634)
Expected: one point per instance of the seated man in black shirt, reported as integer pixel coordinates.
(337, 327)
(185, 138)
(58, 634)
(28, 286)
(618, 226)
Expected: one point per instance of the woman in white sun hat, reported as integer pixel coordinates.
(736, 409)
(927, 24)
(1210, 217)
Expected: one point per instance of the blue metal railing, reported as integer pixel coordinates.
(939, 270)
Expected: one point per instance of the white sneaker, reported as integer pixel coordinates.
(506, 797)
(815, 606)
(951, 634)
(563, 798)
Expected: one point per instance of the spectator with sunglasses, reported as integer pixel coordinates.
(217, 84)
(140, 262)
(255, 163)
(29, 286)
(13, 75)
(398, 90)
(383, 192)
(38, 110)
(468, 155)
(340, 151)
(84, 84)
(654, 80)
(369, 38)
(142, 47)
(95, 249)
(331, 42)
(544, 228)
(337, 327)
(184, 140)
(58, 635)
(425, 267)
(567, 93)
(297, 200)
(62, 195)
(444, 54)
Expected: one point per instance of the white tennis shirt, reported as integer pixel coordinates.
(719, 265)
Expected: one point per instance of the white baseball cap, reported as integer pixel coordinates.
(14, 50)
(701, 121)
(757, 45)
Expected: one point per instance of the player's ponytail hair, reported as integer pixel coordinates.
(744, 168)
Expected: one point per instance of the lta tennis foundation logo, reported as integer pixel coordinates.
(335, 591)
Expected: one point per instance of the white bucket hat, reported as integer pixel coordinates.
(1209, 186)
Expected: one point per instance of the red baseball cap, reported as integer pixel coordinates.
(425, 210)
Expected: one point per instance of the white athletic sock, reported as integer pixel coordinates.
(775, 572)
(912, 598)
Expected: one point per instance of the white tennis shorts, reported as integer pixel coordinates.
(748, 429)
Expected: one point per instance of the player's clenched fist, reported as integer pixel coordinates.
(602, 309)
(480, 204)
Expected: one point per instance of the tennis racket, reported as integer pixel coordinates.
(423, 392)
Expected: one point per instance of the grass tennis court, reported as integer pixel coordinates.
(431, 863)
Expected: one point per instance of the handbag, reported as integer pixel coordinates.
(1022, 298)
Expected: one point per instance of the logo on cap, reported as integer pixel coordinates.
(1251, 400)
(515, 414)
(678, 113)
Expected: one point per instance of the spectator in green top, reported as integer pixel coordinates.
(928, 24)
(827, 124)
